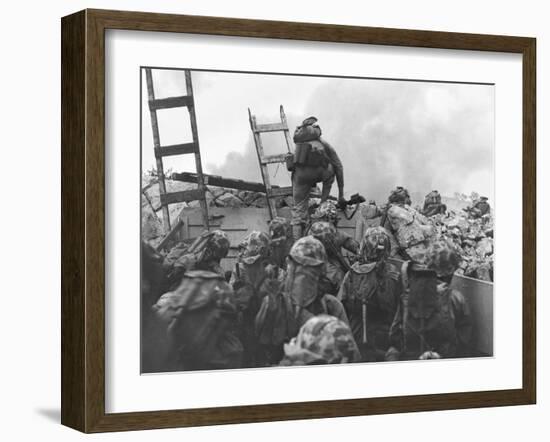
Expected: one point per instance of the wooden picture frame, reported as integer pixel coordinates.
(83, 219)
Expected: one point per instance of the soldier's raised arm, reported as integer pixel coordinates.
(338, 167)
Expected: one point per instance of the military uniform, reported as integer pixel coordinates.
(482, 207)
(321, 164)
(336, 266)
(370, 294)
(334, 241)
(322, 339)
(411, 231)
(200, 320)
(433, 205)
(308, 261)
(280, 231)
(432, 316)
(205, 253)
(283, 313)
(252, 281)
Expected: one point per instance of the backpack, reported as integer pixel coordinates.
(307, 131)
(200, 319)
(275, 322)
(428, 322)
(311, 154)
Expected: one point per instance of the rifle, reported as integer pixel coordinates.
(338, 254)
(354, 200)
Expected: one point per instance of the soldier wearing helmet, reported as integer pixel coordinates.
(314, 161)
(432, 316)
(370, 294)
(399, 195)
(411, 230)
(306, 264)
(433, 205)
(280, 231)
(336, 265)
(252, 280)
(199, 320)
(335, 243)
(322, 339)
(205, 253)
(328, 212)
(480, 208)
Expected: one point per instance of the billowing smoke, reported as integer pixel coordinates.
(422, 136)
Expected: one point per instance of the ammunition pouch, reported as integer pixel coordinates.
(289, 161)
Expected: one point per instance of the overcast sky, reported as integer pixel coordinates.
(419, 135)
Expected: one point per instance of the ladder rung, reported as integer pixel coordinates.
(171, 102)
(183, 196)
(176, 149)
(274, 127)
(280, 191)
(268, 159)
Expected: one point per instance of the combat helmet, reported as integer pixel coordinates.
(327, 211)
(254, 247)
(442, 258)
(324, 232)
(280, 227)
(309, 121)
(323, 339)
(308, 251)
(211, 245)
(399, 195)
(375, 244)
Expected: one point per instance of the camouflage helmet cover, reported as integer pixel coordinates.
(308, 251)
(254, 247)
(327, 211)
(309, 121)
(211, 245)
(322, 339)
(443, 258)
(324, 232)
(399, 195)
(280, 227)
(219, 243)
(375, 244)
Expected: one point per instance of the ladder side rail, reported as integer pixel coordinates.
(156, 143)
(263, 166)
(198, 163)
(289, 142)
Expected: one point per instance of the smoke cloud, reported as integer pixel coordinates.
(422, 136)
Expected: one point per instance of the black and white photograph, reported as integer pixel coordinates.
(292, 220)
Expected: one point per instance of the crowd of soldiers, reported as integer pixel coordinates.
(313, 296)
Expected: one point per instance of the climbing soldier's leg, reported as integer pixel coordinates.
(328, 180)
(300, 193)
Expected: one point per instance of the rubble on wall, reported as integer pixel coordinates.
(473, 238)
(151, 213)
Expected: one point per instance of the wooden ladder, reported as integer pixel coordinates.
(177, 149)
(257, 129)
